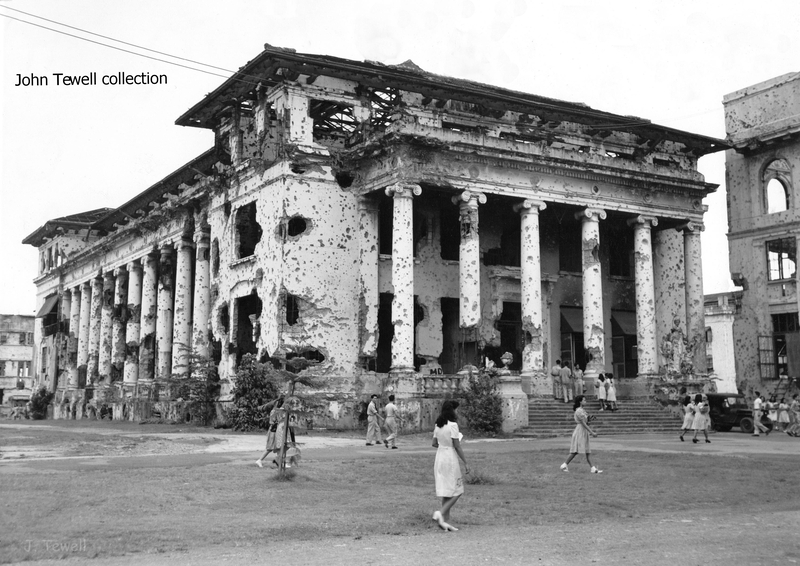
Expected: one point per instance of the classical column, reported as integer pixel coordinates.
(118, 329)
(533, 371)
(646, 340)
(368, 240)
(202, 292)
(593, 329)
(166, 294)
(95, 320)
(83, 331)
(64, 341)
(469, 259)
(74, 331)
(132, 325)
(149, 313)
(106, 312)
(693, 278)
(403, 276)
(182, 315)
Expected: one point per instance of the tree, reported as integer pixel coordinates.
(482, 405)
(256, 385)
(40, 400)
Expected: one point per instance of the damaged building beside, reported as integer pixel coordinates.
(399, 228)
(763, 127)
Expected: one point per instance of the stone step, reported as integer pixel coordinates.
(548, 418)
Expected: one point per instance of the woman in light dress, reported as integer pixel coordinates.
(794, 410)
(783, 415)
(275, 433)
(688, 415)
(611, 394)
(446, 468)
(701, 418)
(600, 388)
(580, 436)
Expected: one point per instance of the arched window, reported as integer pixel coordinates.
(777, 180)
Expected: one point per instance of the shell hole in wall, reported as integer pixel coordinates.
(296, 226)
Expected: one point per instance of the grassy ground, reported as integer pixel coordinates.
(198, 503)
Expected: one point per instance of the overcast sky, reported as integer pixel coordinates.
(69, 149)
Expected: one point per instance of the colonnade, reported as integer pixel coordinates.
(531, 281)
(143, 319)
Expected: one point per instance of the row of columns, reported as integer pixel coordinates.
(531, 281)
(168, 311)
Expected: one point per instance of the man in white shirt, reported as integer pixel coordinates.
(566, 381)
(373, 429)
(390, 422)
(757, 426)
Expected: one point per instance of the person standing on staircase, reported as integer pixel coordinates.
(600, 388)
(566, 382)
(555, 373)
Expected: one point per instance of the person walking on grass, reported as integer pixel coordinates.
(274, 431)
(446, 468)
(757, 424)
(373, 418)
(794, 416)
(390, 422)
(783, 415)
(688, 415)
(580, 436)
(701, 418)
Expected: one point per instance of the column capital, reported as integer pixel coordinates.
(133, 265)
(403, 190)
(530, 206)
(643, 219)
(121, 270)
(591, 214)
(470, 198)
(691, 227)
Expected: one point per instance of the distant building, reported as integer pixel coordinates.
(763, 180)
(16, 357)
(720, 310)
(396, 226)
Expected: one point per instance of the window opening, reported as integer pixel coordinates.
(509, 326)
(781, 259)
(248, 230)
(383, 103)
(777, 180)
(570, 250)
(248, 311)
(292, 309)
(509, 251)
(618, 241)
(333, 121)
(450, 231)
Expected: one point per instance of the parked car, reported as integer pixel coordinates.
(731, 409)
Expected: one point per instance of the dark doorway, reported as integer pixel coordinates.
(248, 309)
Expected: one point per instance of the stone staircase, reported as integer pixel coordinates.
(548, 418)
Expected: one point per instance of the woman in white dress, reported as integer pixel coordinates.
(701, 418)
(446, 468)
(580, 436)
(611, 394)
(688, 415)
(600, 388)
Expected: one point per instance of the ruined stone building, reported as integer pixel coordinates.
(397, 227)
(16, 358)
(763, 180)
(720, 311)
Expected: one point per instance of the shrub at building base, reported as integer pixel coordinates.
(40, 400)
(481, 404)
(256, 385)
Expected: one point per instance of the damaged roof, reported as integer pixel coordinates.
(80, 221)
(275, 64)
(104, 219)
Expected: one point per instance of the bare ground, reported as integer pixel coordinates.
(159, 494)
